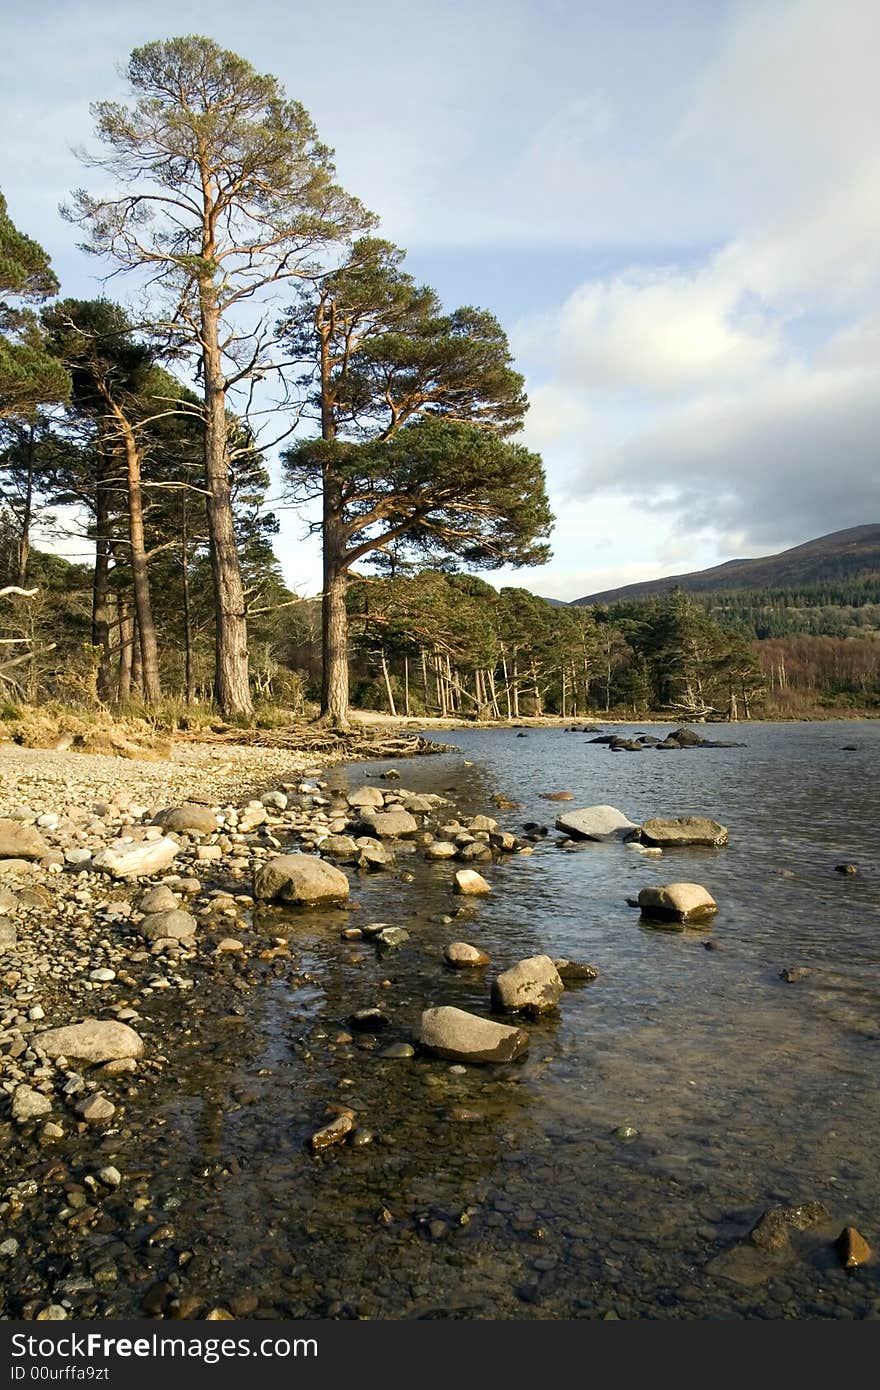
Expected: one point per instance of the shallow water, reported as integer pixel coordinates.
(745, 1090)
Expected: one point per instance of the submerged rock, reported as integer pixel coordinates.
(465, 1037)
(680, 902)
(531, 986)
(575, 971)
(334, 1133)
(773, 1230)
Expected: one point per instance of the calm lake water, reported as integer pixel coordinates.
(745, 1090)
(507, 1192)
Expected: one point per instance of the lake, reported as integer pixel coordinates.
(744, 1090)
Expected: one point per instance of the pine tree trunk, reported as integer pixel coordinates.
(388, 690)
(496, 712)
(125, 652)
(506, 684)
(101, 588)
(424, 658)
(24, 535)
(188, 673)
(139, 572)
(137, 687)
(231, 682)
(334, 631)
(406, 685)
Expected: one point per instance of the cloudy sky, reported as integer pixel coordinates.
(674, 210)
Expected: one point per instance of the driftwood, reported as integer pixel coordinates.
(307, 739)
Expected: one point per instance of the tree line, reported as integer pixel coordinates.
(265, 306)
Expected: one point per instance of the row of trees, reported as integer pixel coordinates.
(449, 644)
(154, 424)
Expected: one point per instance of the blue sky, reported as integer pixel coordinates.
(673, 210)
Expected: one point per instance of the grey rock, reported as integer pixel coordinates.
(21, 841)
(137, 859)
(531, 986)
(462, 956)
(189, 817)
(96, 1109)
(575, 971)
(465, 1037)
(367, 796)
(441, 849)
(159, 899)
(339, 847)
(683, 830)
(300, 878)
(681, 902)
(389, 825)
(175, 925)
(95, 1040)
(28, 1104)
(596, 823)
(471, 884)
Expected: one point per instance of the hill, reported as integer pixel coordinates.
(841, 558)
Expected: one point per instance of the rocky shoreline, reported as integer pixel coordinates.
(145, 905)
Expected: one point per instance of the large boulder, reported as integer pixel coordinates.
(95, 1040)
(188, 818)
(683, 830)
(679, 902)
(465, 1037)
(300, 878)
(19, 841)
(173, 925)
(138, 859)
(389, 825)
(596, 823)
(531, 986)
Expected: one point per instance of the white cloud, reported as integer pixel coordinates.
(655, 331)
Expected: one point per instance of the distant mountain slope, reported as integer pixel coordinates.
(840, 556)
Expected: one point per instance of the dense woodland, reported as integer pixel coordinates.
(265, 320)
